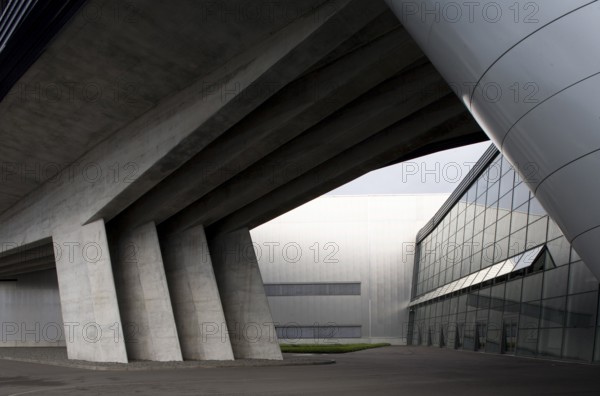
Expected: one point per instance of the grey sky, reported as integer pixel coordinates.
(436, 173)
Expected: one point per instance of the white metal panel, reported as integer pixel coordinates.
(557, 131)
(371, 240)
(463, 39)
(547, 62)
(577, 188)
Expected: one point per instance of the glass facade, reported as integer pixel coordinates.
(464, 295)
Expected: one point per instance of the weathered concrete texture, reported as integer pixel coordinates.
(251, 327)
(284, 117)
(144, 300)
(138, 57)
(444, 119)
(157, 143)
(389, 103)
(87, 294)
(196, 303)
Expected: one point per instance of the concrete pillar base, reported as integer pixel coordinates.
(196, 303)
(251, 327)
(144, 300)
(92, 323)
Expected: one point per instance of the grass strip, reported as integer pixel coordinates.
(328, 348)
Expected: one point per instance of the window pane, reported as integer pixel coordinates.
(453, 305)
(513, 291)
(471, 194)
(559, 250)
(479, 223)
(550, 342)
(536, 232)
(501, 251)
(553, 312)
(484, 298)
(495, 170)
(581, 279)
(532, 287)
(497, 297)
(520, 195)
(470, 213)
(462, 303)
(535, 210)
(494, 332)
(579, 344)
(507, 167)
(517, 243)
(555, 282)
(581, 310)
(519, 218)
(527, 342)
(553, 230)
(481, 185)
(506, 183)
(511, 312)
(530, 315)
(488, 247)
(503, 227)
(492, 194)
(491, 215)
(472, 299)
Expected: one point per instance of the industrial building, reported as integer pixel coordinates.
(339, 268)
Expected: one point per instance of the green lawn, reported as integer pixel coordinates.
(328, 348)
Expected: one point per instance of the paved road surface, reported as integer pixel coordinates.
(385, 371)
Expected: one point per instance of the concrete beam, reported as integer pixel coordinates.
(299, 106)
(16, 254)
(243, 295)
(143, 294)
(41, 267)
(196, 303)
(153, 146)
(380, 108)
(88, 297)
(35, 264)
(442, 121)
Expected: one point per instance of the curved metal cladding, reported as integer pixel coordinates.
(529, 71)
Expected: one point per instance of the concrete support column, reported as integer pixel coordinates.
(88, 298)
(144, 301)
(251, 327)
(196, 303)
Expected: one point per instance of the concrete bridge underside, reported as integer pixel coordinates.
(143, 143)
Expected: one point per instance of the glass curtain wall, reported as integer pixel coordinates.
(548, 309)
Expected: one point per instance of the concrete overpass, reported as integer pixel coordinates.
(144, 142)
(141, 142)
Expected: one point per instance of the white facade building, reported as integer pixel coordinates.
(339, 268)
